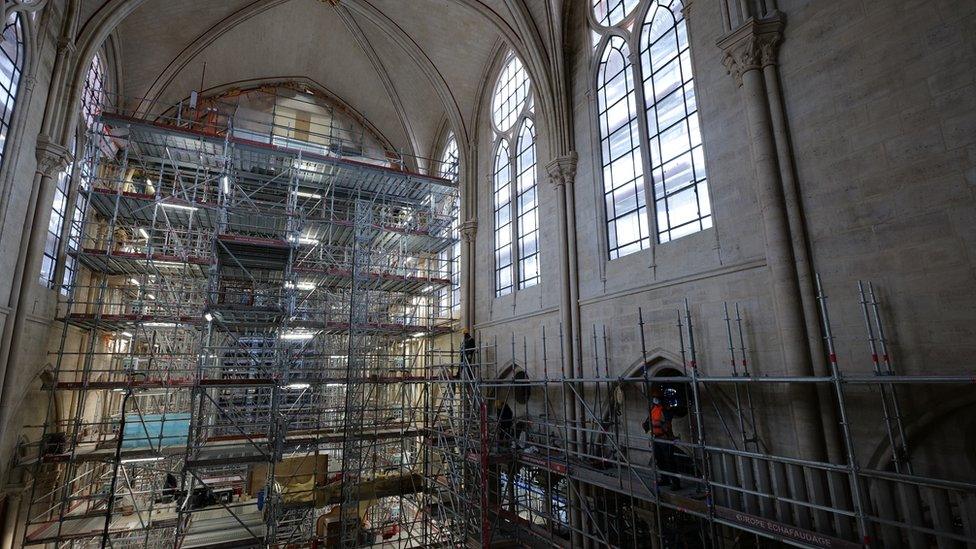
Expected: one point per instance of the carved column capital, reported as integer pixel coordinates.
(562, 170)
(52, 158)
(469, 229)
(752, 46)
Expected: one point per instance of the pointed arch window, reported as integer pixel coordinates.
(612, 12)
(11, 67)
(450, 300)
(527, 207)
(674, 135)
(515, 192)
(92, 99)
(502, 193)
(622, 160)
(652, 152)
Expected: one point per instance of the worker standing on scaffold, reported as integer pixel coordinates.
(658, 424)
(468, 347)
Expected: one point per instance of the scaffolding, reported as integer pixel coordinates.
(258, 352)
(244, 355)
(517, 467)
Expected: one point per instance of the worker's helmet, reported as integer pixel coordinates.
(670, 397)
(465, 331)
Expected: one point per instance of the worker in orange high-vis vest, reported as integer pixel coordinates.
(658, 424)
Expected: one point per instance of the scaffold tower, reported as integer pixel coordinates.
(256, 351)
(243, 352)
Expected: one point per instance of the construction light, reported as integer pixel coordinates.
(127, 335)
(307, 195)
(297, 336)
(144, 234)
(178, 206)
(297, 386)
(225, 183)
(305, 286)
(142, 460)
(135, 281)
(303, 240)
(208, 317)
(160, 325)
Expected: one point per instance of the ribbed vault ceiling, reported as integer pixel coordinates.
(371, 54)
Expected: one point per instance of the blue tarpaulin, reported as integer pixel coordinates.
(162, 430)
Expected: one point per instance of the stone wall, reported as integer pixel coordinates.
(880, 104)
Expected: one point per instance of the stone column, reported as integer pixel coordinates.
(51, 160)
(11, 520)
(747, 50)
(562, 174)
(469, 230)
(801, 252)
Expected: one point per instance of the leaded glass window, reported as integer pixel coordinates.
(92, 99)
(652, 152)
(622, 161)
(450, 300)
(502, 193)
(11, 66)
(674, 135)
(515, 190)
(527, 206)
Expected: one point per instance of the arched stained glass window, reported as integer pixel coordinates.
(527, 206)
(611, 12)
(93, 96)
(450, 301)
(449, 159)
(92, 99)
(511, 94)
(11, 66)
(656, 155)
(620, 144)
(675, 144)
(515, 190)
(502, 194)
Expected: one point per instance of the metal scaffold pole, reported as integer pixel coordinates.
(247, 340)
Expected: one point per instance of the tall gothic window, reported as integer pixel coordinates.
(11, 66)
(654, 156)
(92, 100)
(620, 142)
(674, 135)
(503, 220)
(611, 12)
(527, 206)
(450, 301)
(515, 193)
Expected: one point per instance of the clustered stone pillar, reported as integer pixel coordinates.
(11, 521)
(51, 160)
(469, 230)
(748, 50)
(562, 175)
